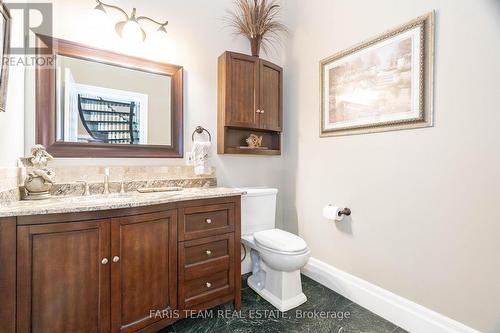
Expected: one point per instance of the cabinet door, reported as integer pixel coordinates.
(271, 99)
(63, 277)
(143, 269)
(242, 73)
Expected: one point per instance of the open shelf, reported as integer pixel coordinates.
(235, 138)
(249, 151)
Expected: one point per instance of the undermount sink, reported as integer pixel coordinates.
(99, 198)
(116, 197)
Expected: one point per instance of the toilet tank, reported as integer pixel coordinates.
(258, 209)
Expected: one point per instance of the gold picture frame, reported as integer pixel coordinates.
(5, 49)
(360, 93)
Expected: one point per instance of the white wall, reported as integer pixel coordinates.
(197, 36)
(425, 221)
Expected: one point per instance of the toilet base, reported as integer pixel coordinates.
(282, 289)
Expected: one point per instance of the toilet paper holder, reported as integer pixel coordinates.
(346, 211)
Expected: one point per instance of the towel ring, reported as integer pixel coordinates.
(200, 130)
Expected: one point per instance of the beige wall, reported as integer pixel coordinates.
(197, 36)
(425, 221)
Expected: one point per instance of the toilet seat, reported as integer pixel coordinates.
(280, 241)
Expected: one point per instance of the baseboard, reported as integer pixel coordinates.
(398, 310)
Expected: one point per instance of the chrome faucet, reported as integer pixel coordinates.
(86, 187)
(106, 181)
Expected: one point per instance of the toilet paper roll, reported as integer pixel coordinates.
(331, 212)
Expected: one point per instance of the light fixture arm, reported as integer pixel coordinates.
(151, 20)
(101, 6)
(100, 3)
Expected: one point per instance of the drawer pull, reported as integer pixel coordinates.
(209, 221)
(208, 284)
(104, 261)
(116, 259)
(208, 252)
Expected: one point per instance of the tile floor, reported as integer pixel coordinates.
(325, 311)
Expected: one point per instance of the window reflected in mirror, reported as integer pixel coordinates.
(110, 104)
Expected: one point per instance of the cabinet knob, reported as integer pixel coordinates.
(208, 284)
(104, 261)
(208, 252)
(116, 259)
(209, 221)
(258, 111)
(261, 111)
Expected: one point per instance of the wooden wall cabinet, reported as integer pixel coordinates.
(250, 100)
(106, 271)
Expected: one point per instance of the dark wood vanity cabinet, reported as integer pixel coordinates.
(206, 267)
(250, 100)
(62, 284)
(143, 261)
(109, 271)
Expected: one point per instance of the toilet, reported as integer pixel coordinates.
(276, 255)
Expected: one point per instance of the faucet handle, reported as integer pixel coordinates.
(86, 185)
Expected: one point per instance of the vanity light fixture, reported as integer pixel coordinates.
(131, 26)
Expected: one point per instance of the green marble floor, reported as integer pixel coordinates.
(325, 311)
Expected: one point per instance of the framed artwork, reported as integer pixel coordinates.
(382, 84)
(4, 51)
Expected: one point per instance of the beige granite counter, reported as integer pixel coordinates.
(58, 205)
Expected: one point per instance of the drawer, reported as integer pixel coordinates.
(208, 251)
(204, 221)
(206, 289)
(194, 262)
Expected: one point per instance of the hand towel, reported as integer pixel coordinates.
(200, 154)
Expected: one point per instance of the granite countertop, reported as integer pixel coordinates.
(58, 205)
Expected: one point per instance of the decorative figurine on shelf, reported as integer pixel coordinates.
(40, 179)
(254, 141)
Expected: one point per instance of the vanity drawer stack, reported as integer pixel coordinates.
(208, 255)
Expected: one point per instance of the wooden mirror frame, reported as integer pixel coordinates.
(46, 103)
(4, 71)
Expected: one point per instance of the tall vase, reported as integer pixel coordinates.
(255, 43)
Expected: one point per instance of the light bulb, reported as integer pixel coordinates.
(133, 32)
(99, 14)
(100, 18)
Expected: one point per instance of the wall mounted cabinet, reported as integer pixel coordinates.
(250, 100)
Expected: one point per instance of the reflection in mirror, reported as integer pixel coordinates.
(105, 103)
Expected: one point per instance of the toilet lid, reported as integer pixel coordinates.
(280, 240)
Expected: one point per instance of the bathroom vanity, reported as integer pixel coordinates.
(119, 263)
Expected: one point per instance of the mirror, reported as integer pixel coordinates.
(102, 103)
(96, 103)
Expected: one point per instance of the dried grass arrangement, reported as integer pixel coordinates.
(258, 21)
